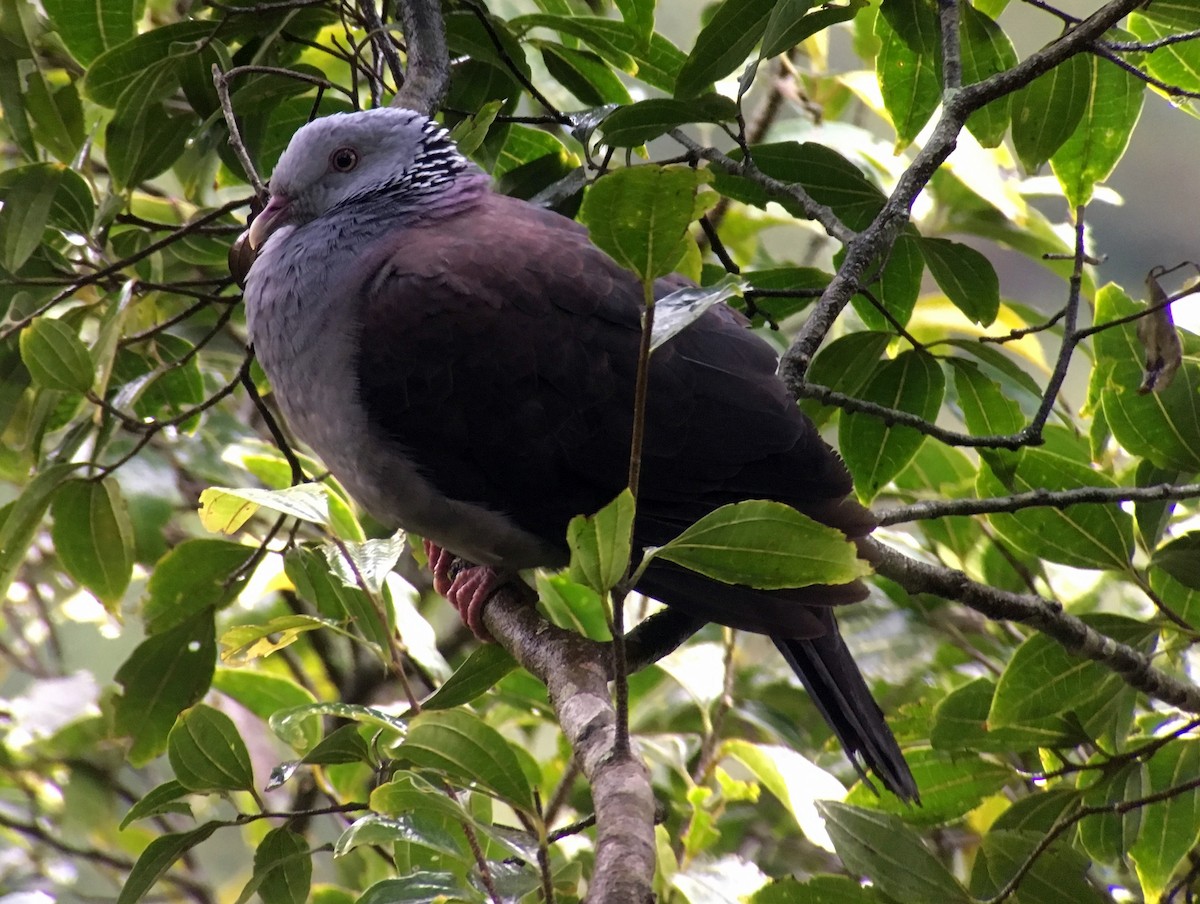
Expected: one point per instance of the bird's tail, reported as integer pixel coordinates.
(841, 695)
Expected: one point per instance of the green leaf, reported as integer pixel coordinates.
(723, 44)
(195, 576)
(638, 123)
(284, 722)
(90, 27)
(1180, 558)
(1047, 110)
(764, 544)
(158, 857)
(986, 50)
(1163, 427)
(910, 81)
(1175, 64)
(469, 751)
(420, 888)
(898, 286)
(986, 408)
(93, 537)
(915, 21)
(966, 276)
(115, 70)
(342, 745)
(282, 868)
(821, 889)
(876, 452)
(640, 215)
(226, 509)
(207, 753)
(1171, 827)
(56, 357)
(265, 694)
(55, 115)
(167, 673)
(584, 74)
(882, 847)
(844, 365)
(242, 643)
(952, 785)
(1084, 536)
(20, 519)
(639, 16)
(785, 28)
(1108, 836)
(485, 666)
(28, 200)
(144, 139)
(1044, 682)
(600, 544)
(163, 799)
(961, 723)
(1058, 876)
(1092, 151)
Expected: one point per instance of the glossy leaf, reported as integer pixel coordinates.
(23, 516)
(844, 365)
(264, 694)
(56, 357)
(675, 312)
(1043, 681)
(764, 544)
(647, 119)
(1108, 836)
(639, 16)
(207, 754)
(1171, 827)
(1048, 110)
(420, 888)
(897, 288)
(282, 868)
(115, 70)
(1176, 64)
(1058, 876)
(195, 576)
(915, 22)
(467, 750)
(1090, 154)
(600, 544)
(90, 27)
(881, 847)
(640, 216)
(166, 798)
(158, 857)
(93, 537)
(961, 723)
(874, 451)
(966, 276)
(723, 44)
(584, 74)
(987, 410)
(1084, 536)
(143, 139)
(483, 669)
(909, 80)
(28, 201)
(985, 50)
(167, 673)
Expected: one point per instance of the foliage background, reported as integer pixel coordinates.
(211, 706)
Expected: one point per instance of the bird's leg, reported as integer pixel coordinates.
(466, 588)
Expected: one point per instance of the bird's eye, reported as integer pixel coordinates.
(344, 159)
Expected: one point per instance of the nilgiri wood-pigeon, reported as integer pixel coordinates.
(464, 363)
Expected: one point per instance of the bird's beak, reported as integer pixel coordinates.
(273, 216)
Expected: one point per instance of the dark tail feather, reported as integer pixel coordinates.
(841, 695)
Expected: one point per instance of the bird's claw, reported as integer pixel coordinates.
(466, 588)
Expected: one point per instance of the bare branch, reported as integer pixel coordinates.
(427, 77)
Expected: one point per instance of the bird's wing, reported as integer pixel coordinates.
(499, 348)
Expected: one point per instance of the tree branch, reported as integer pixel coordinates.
(576, 671)
(1047, 616)
(427, 78)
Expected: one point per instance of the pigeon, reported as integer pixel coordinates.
(464, 363)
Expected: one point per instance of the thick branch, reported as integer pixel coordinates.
(427, 77)
(575, 671)
(1045, 615)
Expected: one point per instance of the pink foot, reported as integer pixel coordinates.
(466, 588)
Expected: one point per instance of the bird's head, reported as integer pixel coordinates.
(348, 157)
